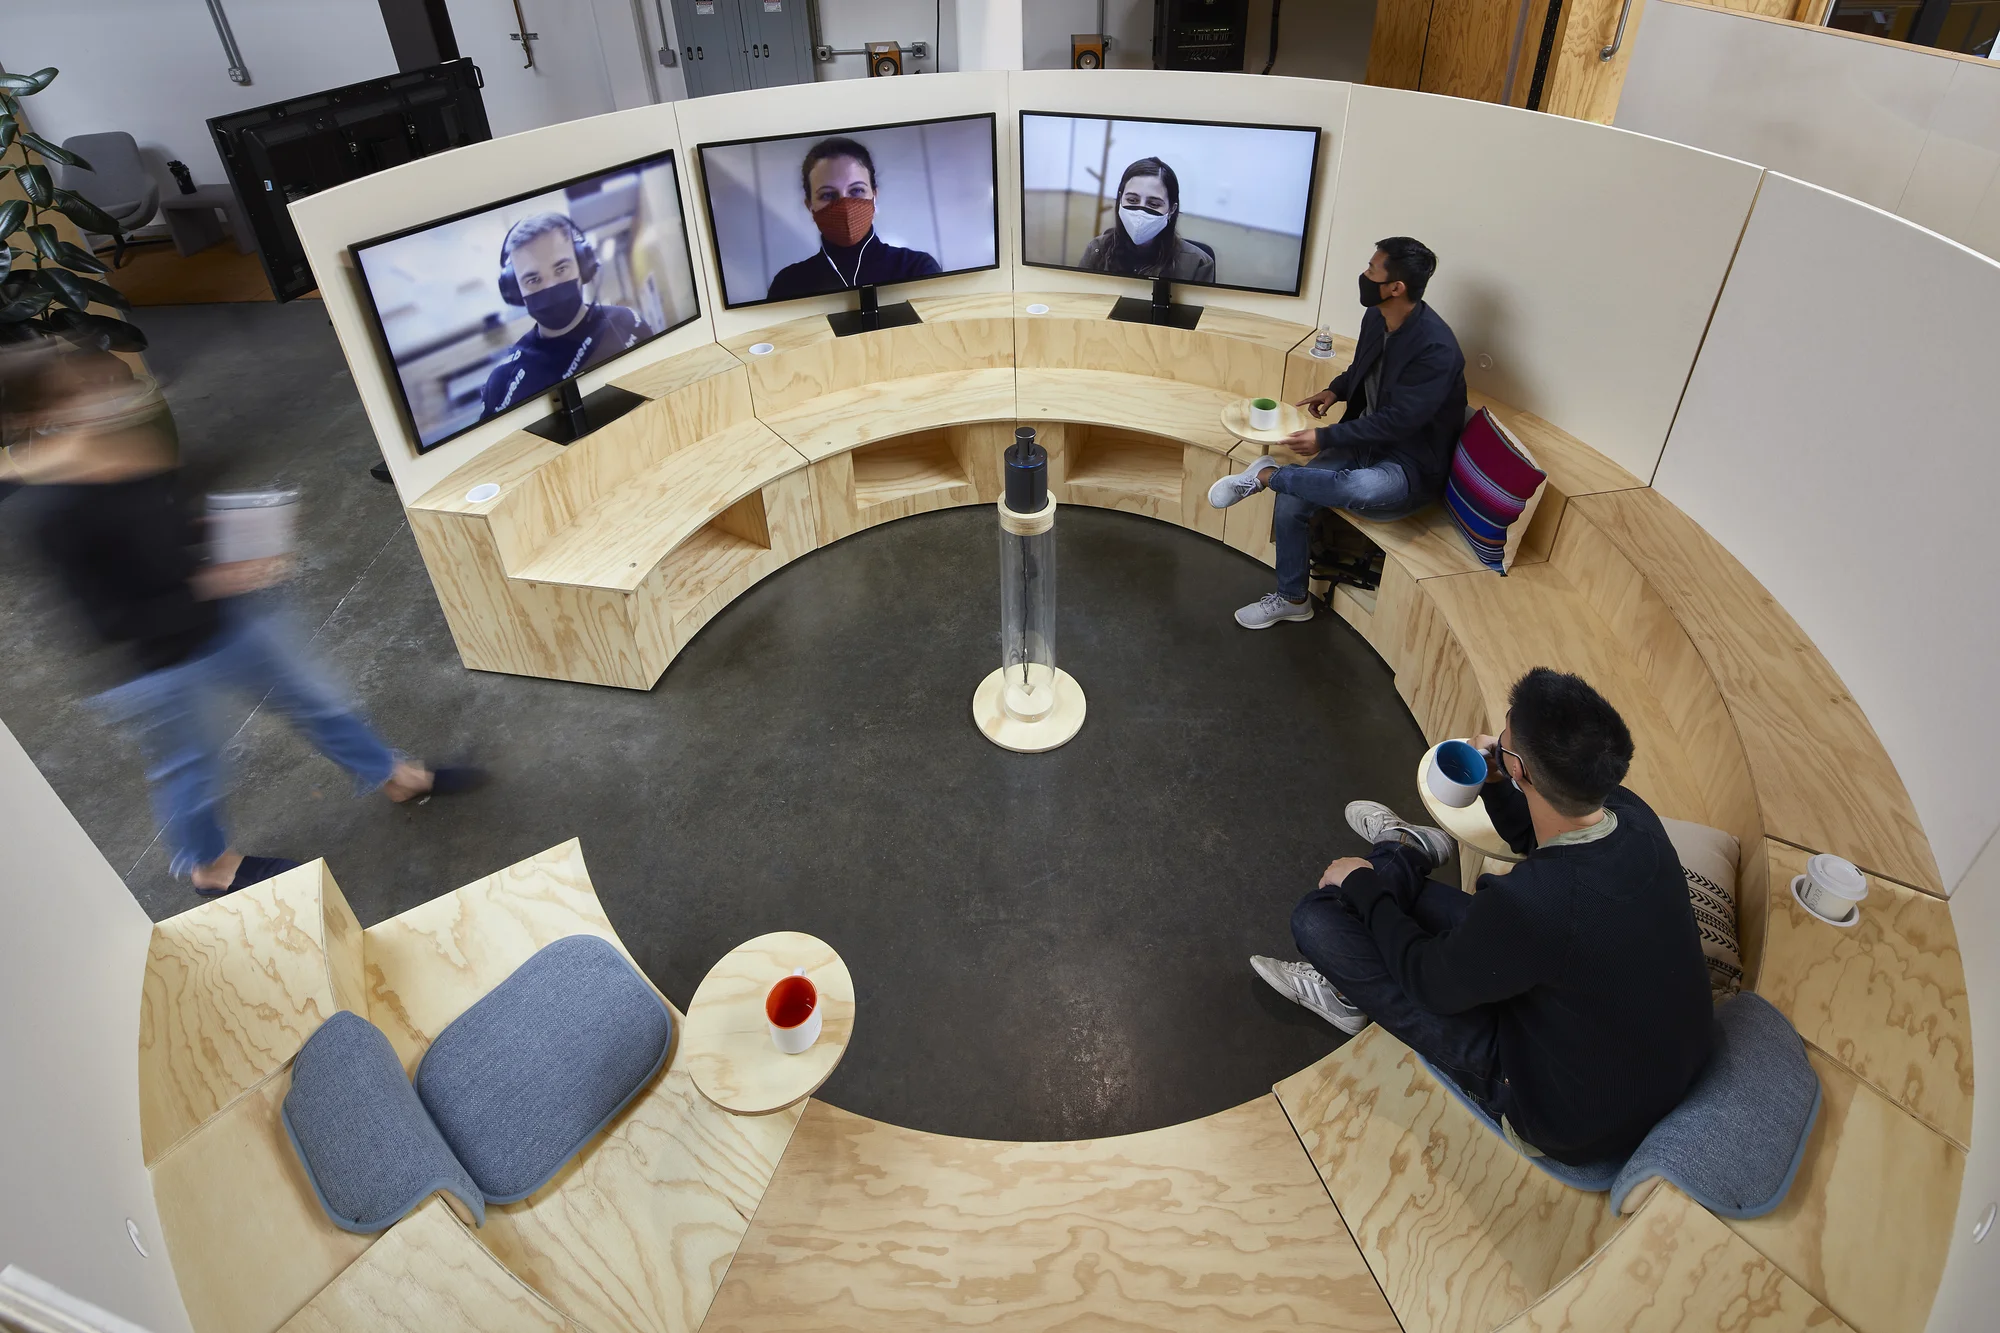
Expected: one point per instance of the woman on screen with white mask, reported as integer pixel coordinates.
(839, 179)
(1144, 240)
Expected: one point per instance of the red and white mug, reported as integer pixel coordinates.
(792, 1009)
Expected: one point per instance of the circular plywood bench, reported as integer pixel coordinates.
(597, 562)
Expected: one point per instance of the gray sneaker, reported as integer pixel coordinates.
(1272, 607)
(1378, 823)
(1241, 485)
(1302, 984)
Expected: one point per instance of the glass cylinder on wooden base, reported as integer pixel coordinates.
(1029, 704)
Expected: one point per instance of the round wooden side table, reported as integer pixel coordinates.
(1469, 825)
(726, 1040)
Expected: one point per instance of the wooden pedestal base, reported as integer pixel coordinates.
(1011, 732)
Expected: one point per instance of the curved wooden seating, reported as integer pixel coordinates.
(635, 1233)
(598, 562)
(1214, 1224)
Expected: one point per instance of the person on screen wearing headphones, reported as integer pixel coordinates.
(1145, 241)
(839, 179)
(545, 261)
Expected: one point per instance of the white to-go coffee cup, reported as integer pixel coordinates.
(1831, 889)
(791, 1007)
(1263, 414)
(1458, 771)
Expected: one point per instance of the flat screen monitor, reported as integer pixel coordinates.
(278, 154)
(1202, 202)
(492, 308)
(808, 214)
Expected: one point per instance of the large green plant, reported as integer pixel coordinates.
(48, 284)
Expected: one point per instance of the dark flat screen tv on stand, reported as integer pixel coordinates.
(287, 150)
(1172, 202)
(801, 215)
(502, 305)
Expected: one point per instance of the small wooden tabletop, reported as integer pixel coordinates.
(726, 1040)
(1236, 420)
(1470, 824)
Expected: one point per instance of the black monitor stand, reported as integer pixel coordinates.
(872, 315)
(576, 416)
(1161, 309)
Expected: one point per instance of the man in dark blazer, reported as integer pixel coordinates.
(1390, 453)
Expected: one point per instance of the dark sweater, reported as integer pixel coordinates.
(873, 263)
(126, 551)
(537, 363)
(1421, 411)
(1590, 958)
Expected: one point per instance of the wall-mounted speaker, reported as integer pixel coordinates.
(884, 59)
(1086, 50)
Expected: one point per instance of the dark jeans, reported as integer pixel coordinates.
(1333, 939)
(1325, 483)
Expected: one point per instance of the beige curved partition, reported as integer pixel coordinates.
(1582, 265)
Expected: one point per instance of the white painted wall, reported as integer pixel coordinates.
(72, 963)
(1837, 437)
(990, 34)
(1046, 27)
(846, 25)
(591, 57)
(1901, 127)
(155, 69)
(1970, 1290)
(1583, 261)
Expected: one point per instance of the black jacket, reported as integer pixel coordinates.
(127, 551)
(1589, 956)
(537, 363)
(870, 264)
(1417, 423)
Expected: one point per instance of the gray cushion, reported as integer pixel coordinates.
(1734, 1143)
(524, 1078)
(1591, 1177)
(355, 1122)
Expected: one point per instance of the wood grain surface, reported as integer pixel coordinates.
(233, 988)
(671, 374)
(1214, 1224)
(809, 363)
(1885, 999)
(1822, 778)
(1459, 1229)
(428, 1275)
(1868, 1220)
(1109, 468)
(726, 1044)
(1241, 355)
(248, 1239)
(1675, 1268)
(850, 418)
(637, 1231)
(1174, 409)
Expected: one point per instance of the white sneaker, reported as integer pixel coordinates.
(1378, 823)
(1272, 607)
(1241, 485)
(1302, 984)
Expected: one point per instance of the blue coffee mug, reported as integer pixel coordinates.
(1458, 771)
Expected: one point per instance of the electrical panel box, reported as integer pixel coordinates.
(729, 45)
(1200, 34)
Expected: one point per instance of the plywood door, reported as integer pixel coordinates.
(1470, 46)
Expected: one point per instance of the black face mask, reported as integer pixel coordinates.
(555, 306)
(1371, 291)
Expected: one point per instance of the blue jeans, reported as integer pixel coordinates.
(1333, 939)
(176, 712)
(1325, 483)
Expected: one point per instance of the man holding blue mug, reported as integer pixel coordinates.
(1569, 997)
(1390, 452)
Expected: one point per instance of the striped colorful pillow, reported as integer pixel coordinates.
(1492, 481)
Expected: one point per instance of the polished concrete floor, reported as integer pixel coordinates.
(1045, 946)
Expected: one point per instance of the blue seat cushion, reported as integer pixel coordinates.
(1735, 1142)
(367, 1146)
(524, 1078)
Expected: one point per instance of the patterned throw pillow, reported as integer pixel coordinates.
(1492, 480)
(1708, 860)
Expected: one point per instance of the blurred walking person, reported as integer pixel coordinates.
(95, 444)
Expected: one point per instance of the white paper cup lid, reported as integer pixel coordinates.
(1838, 876)
(761, 349)
(1038, 309)
(481, 493)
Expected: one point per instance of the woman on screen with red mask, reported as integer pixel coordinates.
(1144, 240)
(839, 179)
